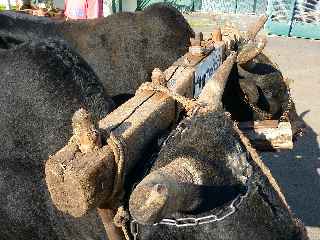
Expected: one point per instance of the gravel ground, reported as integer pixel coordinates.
(297, 171)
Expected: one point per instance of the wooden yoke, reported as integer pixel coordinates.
(80, 181)
(81, 176)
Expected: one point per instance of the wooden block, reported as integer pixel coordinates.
(182, 81)
(268, 135)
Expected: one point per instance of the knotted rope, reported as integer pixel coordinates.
(188, 104)
(120, 220)
(119, 149)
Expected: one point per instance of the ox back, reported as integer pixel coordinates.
(122, 49)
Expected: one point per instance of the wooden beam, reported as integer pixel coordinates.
(79, 181)
(256, 27)
(212, 93)
(251, 50)
(268, 135)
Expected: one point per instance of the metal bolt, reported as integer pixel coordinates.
(196, 48)
(84, 132)
(199, 36)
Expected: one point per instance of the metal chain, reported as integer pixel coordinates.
(191, 222)
(256, 109)
(134, 229)
(266, 115)
(221, 215)
(285, 115)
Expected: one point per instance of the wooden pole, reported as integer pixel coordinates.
(251, 50)
(113, 232)
(256, 27)
(212, 93)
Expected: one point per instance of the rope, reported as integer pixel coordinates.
(120, 219)
(256, 158)
(118, 146)
(188, 104)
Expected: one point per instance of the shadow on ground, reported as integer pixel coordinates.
(298, 173)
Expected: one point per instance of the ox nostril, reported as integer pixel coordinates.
(160, 188)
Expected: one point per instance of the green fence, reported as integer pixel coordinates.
(235, 6)
(225, 6)
(182, 5)
(300, 18)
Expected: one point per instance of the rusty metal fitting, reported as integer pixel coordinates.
(197, 50)
(196, 47)
(195, 42)
(216, 35)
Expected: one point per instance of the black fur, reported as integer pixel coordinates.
(262, 214)
(41, 85)
(122, 49)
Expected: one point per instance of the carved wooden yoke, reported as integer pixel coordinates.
(89, 171)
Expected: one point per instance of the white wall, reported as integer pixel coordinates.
(4, 2)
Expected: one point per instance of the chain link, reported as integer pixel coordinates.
(191, 222)
(221, 215)
(134, 229)
(256, 109)
(285, 115)
(266, 115)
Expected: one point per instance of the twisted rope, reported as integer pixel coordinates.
(118, 146)
(256, 158)
(119, 149)
(188, 104)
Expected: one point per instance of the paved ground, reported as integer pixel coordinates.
(297, 171)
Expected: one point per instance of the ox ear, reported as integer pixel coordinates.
(249, 88)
